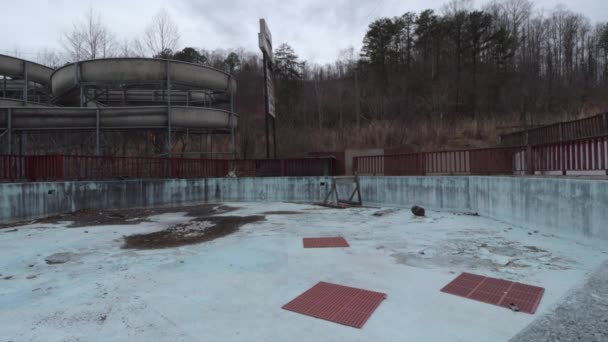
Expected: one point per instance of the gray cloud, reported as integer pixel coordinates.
(317, 29)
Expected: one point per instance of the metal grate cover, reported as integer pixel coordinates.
(324, 242)
(508, 294)
(337, 303)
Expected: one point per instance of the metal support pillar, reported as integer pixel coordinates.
(4, 86)
(97, 132)
(274, 136)
(82, 102)
(79, 83)
(266, 107)
(25, 83)
(529, 156)
(47, 94)
(169, 144)
(9, 126)
(22, 143)
(231, 119)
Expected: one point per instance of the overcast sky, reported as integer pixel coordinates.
(317, 29)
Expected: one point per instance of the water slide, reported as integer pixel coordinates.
(115, 93)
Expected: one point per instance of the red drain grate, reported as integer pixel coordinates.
(508, 294)
(336, 303)
(324, 242)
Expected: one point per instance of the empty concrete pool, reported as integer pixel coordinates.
(227, 255)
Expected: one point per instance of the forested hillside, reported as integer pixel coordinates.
(453, 77)
(444, 80)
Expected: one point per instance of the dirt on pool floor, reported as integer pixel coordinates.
(197, 231)
(96, 217)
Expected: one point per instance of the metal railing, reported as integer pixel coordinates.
(568, 157)
(594, 126)
(580, 156)
(70, 167)
(576, 155)
(473, 162)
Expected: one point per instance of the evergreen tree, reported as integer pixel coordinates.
(233, 62)
(287, 64)
(189, 54)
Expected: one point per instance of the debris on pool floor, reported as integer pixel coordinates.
(232, 288)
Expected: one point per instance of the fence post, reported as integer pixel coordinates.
(59, 170)
(329, 167)
(27, 167)
(562, 155)
(9, 126)
(529, 156)
(424, 164)
(174, 168)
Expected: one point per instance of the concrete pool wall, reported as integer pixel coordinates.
(576, 207)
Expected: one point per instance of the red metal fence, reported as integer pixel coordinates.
(582, 156)
(571, 157)
(577, 155)
(12, 167)
(66, 167)
(475, 162)
(595, 126)
(31, 167)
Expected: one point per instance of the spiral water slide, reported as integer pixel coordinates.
(115, 93)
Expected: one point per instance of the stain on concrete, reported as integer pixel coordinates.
(195, 232)
(87, 218)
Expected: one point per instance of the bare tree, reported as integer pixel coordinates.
(131, 48)
(455, 6)
(161, 34)
(89, 39)
(49, 58)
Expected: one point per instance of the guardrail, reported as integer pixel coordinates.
(587, 156)
(69, 167)
(12, 167)
(474, 162)
(582, 155)
(576, 155)
(594, 126)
